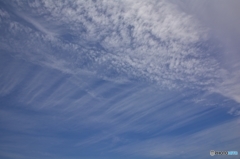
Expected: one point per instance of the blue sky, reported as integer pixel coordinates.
(119, 79)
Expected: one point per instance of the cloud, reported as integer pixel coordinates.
(126, 73)
(221, 18)
(3, 14)
(195, 145)
(38, 26)
(230, 86)
(234, 111)
(123, 39)
(86, 112)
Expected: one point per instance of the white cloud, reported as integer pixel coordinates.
(3, 14)
(153, 41)
(221, 17)
(190, 146)
(149, 41)
(38, 25)
(234, 111)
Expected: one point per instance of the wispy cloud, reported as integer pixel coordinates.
(50, 33)
(123, 77)
(132, 40)
(221, 18)
(128, 117)
(197, 145)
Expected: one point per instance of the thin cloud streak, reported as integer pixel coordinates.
(114, 77)
(157, 49)
(221, 17)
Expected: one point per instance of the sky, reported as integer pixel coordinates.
(119, 79)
